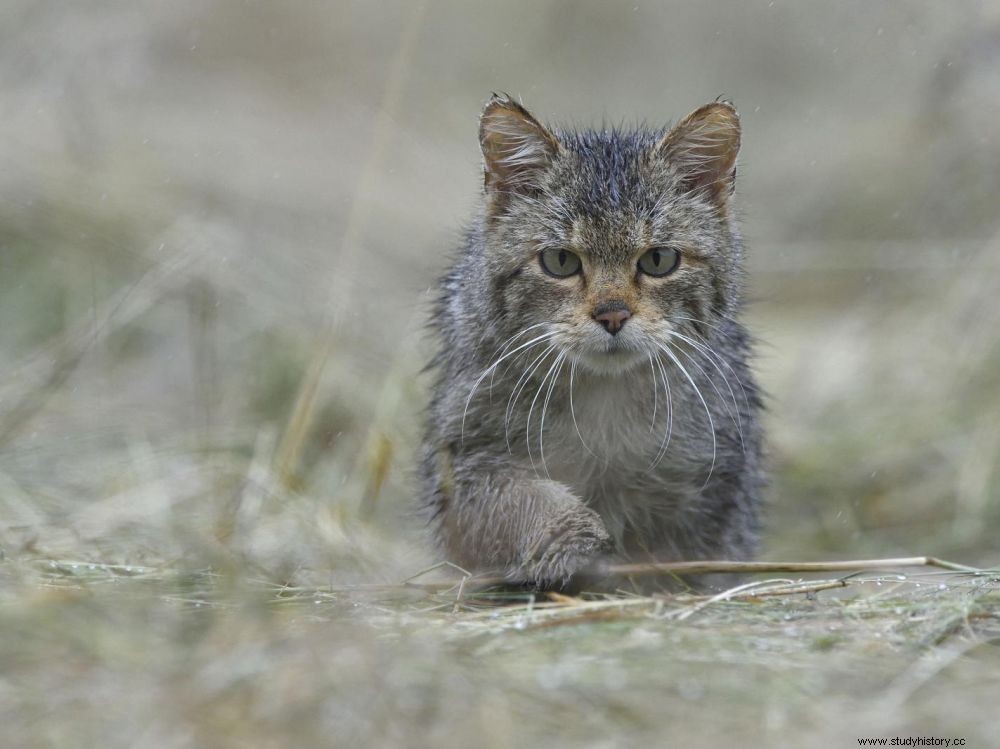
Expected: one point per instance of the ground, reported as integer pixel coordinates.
(97, 655)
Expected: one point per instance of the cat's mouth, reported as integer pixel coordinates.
(597, 352)
(613, 358)
(616, 346)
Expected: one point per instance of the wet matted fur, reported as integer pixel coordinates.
(593, 399)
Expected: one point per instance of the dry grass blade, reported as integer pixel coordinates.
(293, 439)
(850, 565)
(728, 567)
(31, 384)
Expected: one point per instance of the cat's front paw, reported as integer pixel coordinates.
(569, 543)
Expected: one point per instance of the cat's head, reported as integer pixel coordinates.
(609, 242)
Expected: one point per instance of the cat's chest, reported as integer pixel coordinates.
(618, 433)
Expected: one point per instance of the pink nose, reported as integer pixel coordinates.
(612, 315)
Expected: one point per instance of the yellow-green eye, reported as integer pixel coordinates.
(560, 263)
(659, 261)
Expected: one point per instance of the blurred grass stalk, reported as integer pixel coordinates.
(36, 379)
(303, 412)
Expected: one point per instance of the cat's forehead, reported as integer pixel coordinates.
(613, 233)
(607, 172)
(603, 191)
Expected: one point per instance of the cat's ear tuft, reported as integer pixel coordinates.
(703, 148)
(517, 149)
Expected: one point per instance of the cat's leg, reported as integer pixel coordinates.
(531, 530)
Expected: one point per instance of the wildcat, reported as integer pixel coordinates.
(593, 399)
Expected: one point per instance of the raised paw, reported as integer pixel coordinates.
(569, 543)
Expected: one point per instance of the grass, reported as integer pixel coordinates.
(112, 655)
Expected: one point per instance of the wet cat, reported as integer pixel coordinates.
(593, 398)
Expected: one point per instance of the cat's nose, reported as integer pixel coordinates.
(612, 315)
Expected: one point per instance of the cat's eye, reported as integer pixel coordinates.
(659, 261)
(560, 263)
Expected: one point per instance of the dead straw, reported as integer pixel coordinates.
(718, 567)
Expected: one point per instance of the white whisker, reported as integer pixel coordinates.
(492, 367)
(734, 412)
(722, 360)
(711, 422)
(652, 421)
(510, 342)
(665, 442)
(518, 388)
(560, 360)
(531, 409)
(572, 410)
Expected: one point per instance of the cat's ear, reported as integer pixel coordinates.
(703, 148)
(517, 149)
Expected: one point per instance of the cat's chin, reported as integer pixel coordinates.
(610, 363)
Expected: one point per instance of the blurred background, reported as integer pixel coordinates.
(220, 223)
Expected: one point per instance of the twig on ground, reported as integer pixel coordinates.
(719, 567)
(850, 565)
